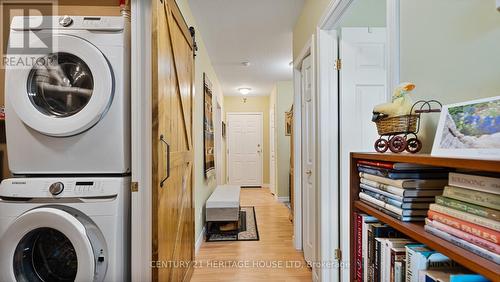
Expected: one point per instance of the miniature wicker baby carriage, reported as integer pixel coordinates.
(400, 133)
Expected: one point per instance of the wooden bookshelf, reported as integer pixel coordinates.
(415, 230)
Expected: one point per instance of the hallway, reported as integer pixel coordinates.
(274, 254)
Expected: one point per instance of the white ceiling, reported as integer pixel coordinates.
(257, 31)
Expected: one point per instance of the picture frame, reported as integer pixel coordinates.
(469, 130)
(223, 129)
(208, 129)
(289, 122)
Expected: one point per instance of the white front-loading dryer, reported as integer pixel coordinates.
(68, 112)
(64, 229)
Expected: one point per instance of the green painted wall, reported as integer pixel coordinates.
(203, 188)
(453, 55)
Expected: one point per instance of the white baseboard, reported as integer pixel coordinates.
(199, 241)
(283, 199)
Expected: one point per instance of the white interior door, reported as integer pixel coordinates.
(245, 148)
(308, 162)
(272, 151)
(363, 84)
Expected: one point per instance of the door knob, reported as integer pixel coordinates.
(308, 172)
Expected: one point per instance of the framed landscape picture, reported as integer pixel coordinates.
(470, 129)
(208, 128)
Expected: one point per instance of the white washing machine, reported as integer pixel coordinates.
(64, 229)
(70, 112)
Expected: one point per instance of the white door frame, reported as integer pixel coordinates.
(297, 141)
(141, 91)
(219, 154)
(272, 151)
(329, 161)
(261, 114)
(308, 50)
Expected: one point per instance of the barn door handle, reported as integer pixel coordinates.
(162, 139)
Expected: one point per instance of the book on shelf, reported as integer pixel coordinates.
(366, 224)
(362, 220)
(396, 197)
(402, 192)
(447, 275)
(471, 228)
(398, 174)
(475, 182)
(483, 199)
(463, 244)
(400, 271)
(406, 183)
(397, 166)
(468, 278)
(394, 215)
(397, 255)
(391, 208)
(390, 249)
(490, 246)
(383, 248)
(468, 207)
(399, 204)
(482, 221)
(376, 230)
(420, 257)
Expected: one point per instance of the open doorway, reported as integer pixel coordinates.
(355, 72)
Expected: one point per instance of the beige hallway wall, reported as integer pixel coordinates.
(253, 104)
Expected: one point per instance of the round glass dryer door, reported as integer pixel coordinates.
(50, 244)
(60, 85)
(66, 91)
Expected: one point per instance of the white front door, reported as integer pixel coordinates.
(363, 85)
(245, 148)
(272, 151)
(308, 162)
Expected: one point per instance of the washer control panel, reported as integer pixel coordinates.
(64, 187)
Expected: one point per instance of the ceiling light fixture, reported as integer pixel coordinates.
(244, 91)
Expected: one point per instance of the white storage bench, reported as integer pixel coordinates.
(223, 206)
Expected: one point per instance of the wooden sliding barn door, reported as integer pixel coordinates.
(173, 214)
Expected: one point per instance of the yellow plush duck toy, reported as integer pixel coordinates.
(401, 103)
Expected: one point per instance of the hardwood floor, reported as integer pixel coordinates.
(272, 258)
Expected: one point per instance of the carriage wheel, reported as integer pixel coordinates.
(381, 145)
(397, 144)
(414, 145)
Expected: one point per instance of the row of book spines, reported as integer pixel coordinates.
(491, 256)
(474, 219)
(475, 182)
(468, 208)
(465, 226)
(445, 201)
(479, 198)
(469, 181)
(483, 243)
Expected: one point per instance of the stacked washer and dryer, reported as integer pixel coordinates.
(65, 216)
